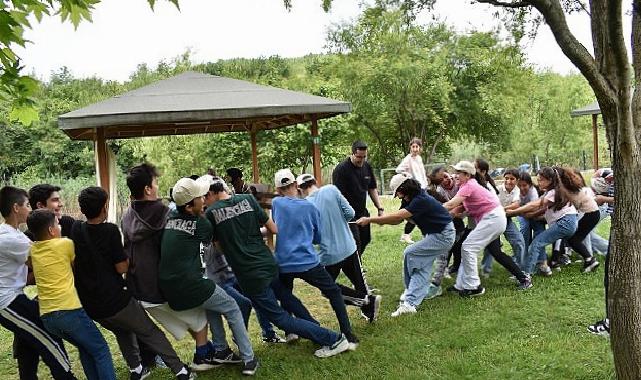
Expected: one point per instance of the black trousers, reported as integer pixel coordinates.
(506, 261)
(362, 236)
(351, 266)
(586, 225)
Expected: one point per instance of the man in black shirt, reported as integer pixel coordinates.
(48, 196)
(355, 179)
(99, 264)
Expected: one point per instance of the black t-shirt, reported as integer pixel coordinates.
(101, 289)
(428, 214)
(354, 183)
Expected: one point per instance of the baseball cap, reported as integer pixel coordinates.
(186, 189)
(465, 166)
(212, 180)
(306, 177)
(284, 177)
(397, 181)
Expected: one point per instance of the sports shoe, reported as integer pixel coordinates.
(370, 311)
(274, 339)
(601, 327)
(339, 346)
(406, 238)
(353, 341)
(250, 367)
(186, 376)
(555, 265)
(404, 308)
(204, 363)
(565, 260)
(144, 373)
(291, 338)
(226, 356)
(452, 289)
(472, 292)
(433, 291)
(544, 270)
(525, 284)
(402, 297)
(590, 265)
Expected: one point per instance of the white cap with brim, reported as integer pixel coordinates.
(284, 177)
(397, 181)
(306, 177)
(466, 167)
(186, 190)
(211, 180)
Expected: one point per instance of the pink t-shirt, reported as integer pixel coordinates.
(478, 200)
(552, 215)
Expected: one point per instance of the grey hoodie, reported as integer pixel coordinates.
(142, 227)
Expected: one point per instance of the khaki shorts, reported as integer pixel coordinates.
(177, 322)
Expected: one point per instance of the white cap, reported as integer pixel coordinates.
(465, 166)
(284, 177)
(186, 189)
(301, 179)
(211, 180)
(397, 181)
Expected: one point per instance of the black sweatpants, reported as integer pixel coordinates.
(351, 266)
(32, 340)
(362, 236)
(506, 261)
(586, 225)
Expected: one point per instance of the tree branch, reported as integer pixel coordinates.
(516, 4)
(617, 44)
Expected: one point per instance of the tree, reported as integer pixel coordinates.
(618, 91)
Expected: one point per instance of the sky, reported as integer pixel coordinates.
(125, 33)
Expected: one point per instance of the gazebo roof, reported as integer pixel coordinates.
(590, 109)
(197, 103)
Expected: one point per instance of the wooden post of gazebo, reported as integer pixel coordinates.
(252, 135)
(102, 159)
(595, 141)
(316, 152)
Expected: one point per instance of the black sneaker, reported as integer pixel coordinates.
(565, 260)
(452, 289)
(227, 356)
(186, 376)
(601, 327)
(249, 368)
(472, 292)
(274, 339)
(133, 375)
(204, 363)
(590, 265)
(370, 311)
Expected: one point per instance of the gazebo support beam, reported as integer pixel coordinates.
(255, 174)
(102, 159)
(595, 141)
(316, 151)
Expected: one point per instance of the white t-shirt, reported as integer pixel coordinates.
(584, 201)
(552, 215)
(14, 251)
(508, 197)
(414, 166)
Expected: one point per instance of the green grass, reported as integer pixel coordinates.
(505, 334)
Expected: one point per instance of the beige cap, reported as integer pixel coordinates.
(186, 189)
(397, 181)
(301, 179)
(284, 177)
(465, 166)
(211, 180)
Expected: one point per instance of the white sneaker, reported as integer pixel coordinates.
(340, 346)
(291, 337)
(406, 238)
(402, 297)
(404, 308)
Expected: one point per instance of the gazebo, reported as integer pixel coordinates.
(192, 103)
(594, 110)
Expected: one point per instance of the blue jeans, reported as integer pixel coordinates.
(530, 228)
(77, 328)
(266, 302)
(321, 280)
(221, 303)
(561, 229)
(232, 288)
(418, 260)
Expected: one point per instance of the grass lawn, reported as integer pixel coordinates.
(505, 334)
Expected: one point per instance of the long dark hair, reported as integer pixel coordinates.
(485, 166)
(525, 177)
(552, 175)
(410, 188)
(571, 180)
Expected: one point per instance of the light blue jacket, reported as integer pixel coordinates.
(337, 241)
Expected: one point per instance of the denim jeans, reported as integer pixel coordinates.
(77, 328)
(320, 279)
(232, 288)
(561, 229)
(266, 302)
(594, 242)
(490, 227)
(530, 228)
(222, 303)
(418, 260)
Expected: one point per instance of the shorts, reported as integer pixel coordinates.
(177, 323)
